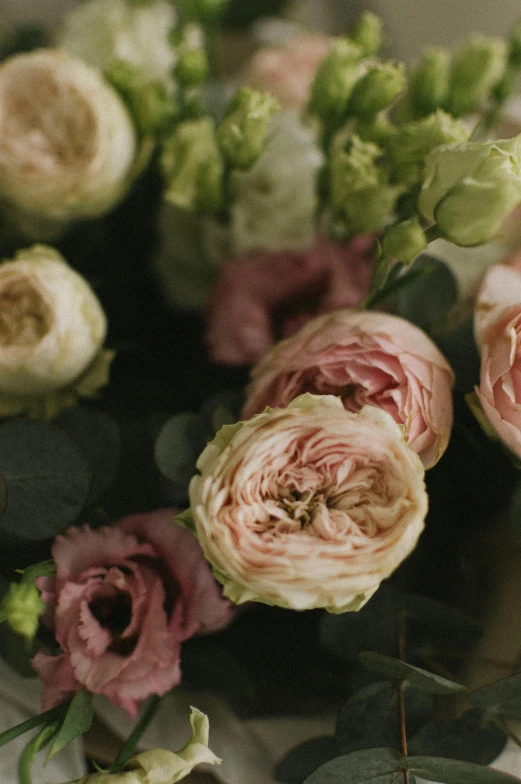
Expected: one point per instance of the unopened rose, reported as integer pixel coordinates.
(123, 601)
(67, 143)
(264, 296)
(366, 359)
(308, 506)
(52, 327)
(159, 766)
(498, 335)
(287, 71)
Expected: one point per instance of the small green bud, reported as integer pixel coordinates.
(377, 89)
(22, 607)
(412, 142)
(404, 241)
(470, 188)
(243, 132)
(429, 82)
(153, 107)
(514, 53)
(334, 80)
(368, 33)
(476, 69)
(192, 67)
(204, 11)
(193, 168)
(378, 130)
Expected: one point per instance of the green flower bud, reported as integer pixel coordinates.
(429, 82)
(470, 188)
(514, 53)
(368, 33)
(243, 132)
(378, 130)
(205, 11)
(334, 81)
(404, 241)
(361, 198)
(412, 142)
(151, 105)
(193, 168)
(476, 68)
(192, 67)
(22, 607)
(377, 89)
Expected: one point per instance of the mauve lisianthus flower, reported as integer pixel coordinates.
(123, 601)
(497, 324)
(266, 296)
(67, 144)
(365, 358)
(308, 506)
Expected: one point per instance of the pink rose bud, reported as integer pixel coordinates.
(365, 358)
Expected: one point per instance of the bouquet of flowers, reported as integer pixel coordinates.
(248, 412)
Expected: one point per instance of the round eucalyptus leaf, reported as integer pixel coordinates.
(429, 297)
(303, 760)
(448, 771)
(416, 677)
(471, 738)
(502, 697)
(47, 479)
(179, 444)
(374, 766)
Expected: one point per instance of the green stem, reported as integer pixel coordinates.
(130, 746)
(401, 703)
(36, 744)
(25, 726)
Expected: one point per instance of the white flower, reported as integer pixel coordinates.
(67, 144)
(159, 766)
(52, 328)
(102, 32)
(275, 201)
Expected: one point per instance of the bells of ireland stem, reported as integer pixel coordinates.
(477, 67)
(243, 133)
(404, 241)
(413, 141)
(377, 89)
(22, 608)
(193, 167)
(429, 82)
(334, 81)
(368, 33)
(470, 188)
(361, 197)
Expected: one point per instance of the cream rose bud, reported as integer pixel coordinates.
(67, 144)
(308, 506)
(51, 323)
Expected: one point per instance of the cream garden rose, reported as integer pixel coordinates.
(308, 506)
(52, 328)
(67, 143)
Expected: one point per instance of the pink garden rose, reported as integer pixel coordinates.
(308, 506)
(287, 71)
(124, 599)
(497, 325)
(267, 296)
(364, 358)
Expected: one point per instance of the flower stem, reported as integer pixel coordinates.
(130, 746)
(400, 687)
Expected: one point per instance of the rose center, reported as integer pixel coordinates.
(301, 506)
(25, 318)
(113, 612)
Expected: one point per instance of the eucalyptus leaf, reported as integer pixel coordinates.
(179, 444)
(417, 678)
(428, 298)
(470, 738)
(303, 760)
(502, 697)
(78, 720)
(371, 766)
(47, 477)
(448, 771)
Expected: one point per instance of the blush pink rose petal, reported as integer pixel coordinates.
(497, 325)
(268, 295)
(123, 601)
(308, 506)
(366, 358)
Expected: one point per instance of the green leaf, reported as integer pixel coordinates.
(450, 771)
(78, 720)
(502, 698)
(97, 435)
(416, 677)
(47, 477)
(428, 298)
(370, 717)
(186, 520)
(35, 721)
(303, 760)
(471, 738)
(42, 569)
(36, 744)
(178, 446)
(371, 766)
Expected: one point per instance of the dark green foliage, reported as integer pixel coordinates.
(303, 760)
(471, 738)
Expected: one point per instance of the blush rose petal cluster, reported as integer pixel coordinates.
(308, 506)
(497, 327)
(124, 599)
(366, 358)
